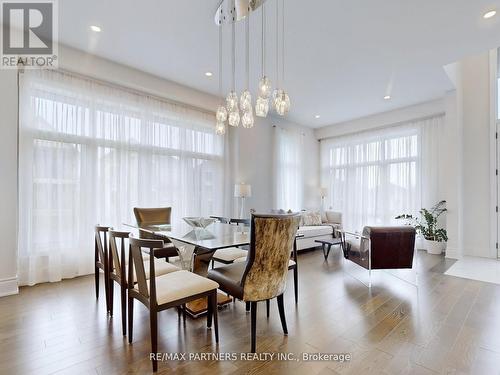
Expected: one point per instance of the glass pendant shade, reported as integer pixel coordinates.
(264, 87)
(232, 102)
(221, 114)
(261, 107)
(234, 118)
(247, 120)
(220, 128)
(246, 101)
(276, 97)
(282, 104)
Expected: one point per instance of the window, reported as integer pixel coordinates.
(288, 165)
(89, 153)
(372, 177)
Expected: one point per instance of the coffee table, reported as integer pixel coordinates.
(326, 245)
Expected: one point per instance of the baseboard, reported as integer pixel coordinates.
(453, 254)
(8, 287)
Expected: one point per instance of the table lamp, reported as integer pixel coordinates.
(242, 191)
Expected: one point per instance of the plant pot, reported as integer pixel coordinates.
(434, 247)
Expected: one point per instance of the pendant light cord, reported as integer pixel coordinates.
(283, 42)
(233, 64)
(247, 47)
(220, 59)
(277, 45)
(263, 40)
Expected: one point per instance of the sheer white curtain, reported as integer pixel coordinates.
(288, 176)
(374, 176)
(90, 152)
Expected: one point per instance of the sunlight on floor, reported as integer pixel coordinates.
(475, 268)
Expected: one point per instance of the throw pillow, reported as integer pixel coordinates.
(311, 218)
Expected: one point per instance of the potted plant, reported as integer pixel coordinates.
(427, 226)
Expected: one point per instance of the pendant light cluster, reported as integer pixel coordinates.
(280, 101)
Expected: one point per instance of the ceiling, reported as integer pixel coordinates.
(342, 57)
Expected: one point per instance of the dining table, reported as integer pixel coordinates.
(196, 246)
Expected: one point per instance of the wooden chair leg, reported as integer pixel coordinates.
(209, 311)
(281, 309)
(215, 313)
(184, 313)
(153, 325)
(123, 299)
(130, 319)
(96, 270)
(267, 307)
(111, 293)
(253, 332)
(247, 306)
(296, 283)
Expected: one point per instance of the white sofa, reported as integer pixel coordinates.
(331, 221)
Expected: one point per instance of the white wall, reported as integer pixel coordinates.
(255, 153)
(476, 155)
(381, 120)
(8, 181)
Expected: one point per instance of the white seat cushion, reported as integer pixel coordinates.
(178, 285)
(240, 260)
(291, 262)
(315, 230)
(161, 268)
(230, 254)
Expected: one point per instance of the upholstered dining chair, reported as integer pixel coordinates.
(118, 262)
(101, 260)
(156, 219)
(263, 276)
(292, 266)
(159, 293)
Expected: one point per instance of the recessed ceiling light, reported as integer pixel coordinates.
(387, 97)
(317, 116)
(209, 74)
(96, 29)
(490, 14)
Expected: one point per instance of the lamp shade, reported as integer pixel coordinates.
(242, 190)
(323, 192)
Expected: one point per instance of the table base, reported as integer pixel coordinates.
(198, 307)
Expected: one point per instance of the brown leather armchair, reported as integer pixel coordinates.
(263, 275)
(379, 248)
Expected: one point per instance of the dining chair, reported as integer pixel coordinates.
(118, 262)
(263, 276)
(220, 219)
(239, 221)
(101, 260)
(230, 254)
(156, 219)
(166, 291)
(292, 266)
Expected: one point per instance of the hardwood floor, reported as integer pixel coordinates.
(447, 325)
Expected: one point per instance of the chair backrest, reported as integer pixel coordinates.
(391, 247)
(118, 255)
(150, 217)
(239, 221)
(220, 219)
(271, 240)
(136, 262)
(101, 243)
